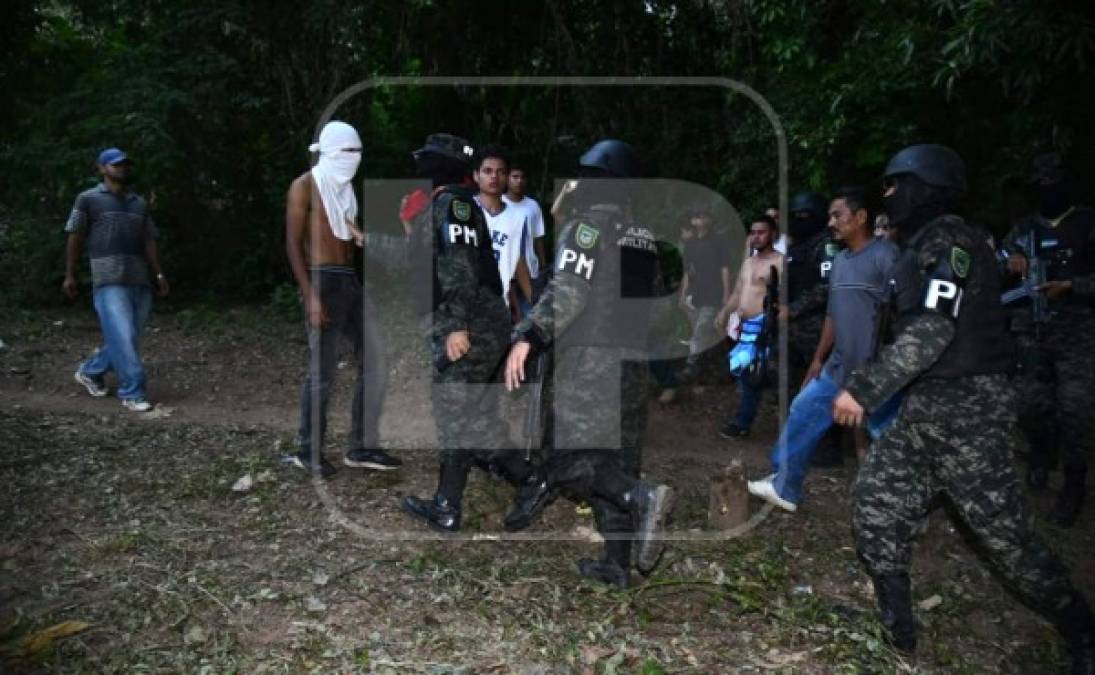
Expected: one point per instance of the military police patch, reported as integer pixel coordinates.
(461, 210)
(960, 262)
(585, 236)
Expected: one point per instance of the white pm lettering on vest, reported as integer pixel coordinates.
(581, 263)
(466, 233)
(944, 292)
(826, 267)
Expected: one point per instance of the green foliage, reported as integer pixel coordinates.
(285, 302)
(217, 102)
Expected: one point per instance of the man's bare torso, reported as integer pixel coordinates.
(322, 247)
(755, 273)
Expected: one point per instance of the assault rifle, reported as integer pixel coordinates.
(1032, 283)
(883, 323)
(532, 429)
(756, 373)
(883, 416)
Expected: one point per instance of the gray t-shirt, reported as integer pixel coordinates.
(116, 228)
(857, 286)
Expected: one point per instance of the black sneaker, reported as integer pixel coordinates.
(303, 460)
(377, 459)
(731, 430)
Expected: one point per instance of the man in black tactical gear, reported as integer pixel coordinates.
(954, 433)
(809, 259)
(468, 334)
(1063, 238)
(595, 313)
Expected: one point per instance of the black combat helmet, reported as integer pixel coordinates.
(615, 158)
(936, 165)
(811, 202)
(809, 213)
(446, 145)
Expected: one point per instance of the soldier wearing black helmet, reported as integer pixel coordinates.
(468, 332)
(809, 259)
(1062, 235)
(953, 435)
(594, 313)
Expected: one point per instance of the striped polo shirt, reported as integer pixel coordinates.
(116, 228)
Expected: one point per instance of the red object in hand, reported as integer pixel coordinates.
(415, 204)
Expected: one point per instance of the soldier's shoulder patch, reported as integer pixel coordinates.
(461, 210)
(585, 235)
(960, 261)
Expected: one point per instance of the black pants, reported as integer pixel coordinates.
(353, 316)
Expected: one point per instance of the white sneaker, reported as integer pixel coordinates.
(137, 404)
(764, 489)
(668, 396)
(94, 388)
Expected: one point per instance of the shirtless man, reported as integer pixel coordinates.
(747, 299)
(320, 235)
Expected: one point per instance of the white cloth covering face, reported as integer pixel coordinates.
(333, 174)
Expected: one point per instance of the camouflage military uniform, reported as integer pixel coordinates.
(1067, 346)
(468, 297)
(953, 435)
(599, 382)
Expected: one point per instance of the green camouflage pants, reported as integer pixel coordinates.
(954, 439)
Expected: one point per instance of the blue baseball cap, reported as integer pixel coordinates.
(112, 156)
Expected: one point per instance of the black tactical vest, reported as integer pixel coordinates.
(428, 237)
(982, 343)
(806, 263)
(617, 311)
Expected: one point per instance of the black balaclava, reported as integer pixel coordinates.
(440, 169)
(915, 203)
(598, 187)
(804, 224)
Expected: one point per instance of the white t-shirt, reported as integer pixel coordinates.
(505, 237)
(534, 220)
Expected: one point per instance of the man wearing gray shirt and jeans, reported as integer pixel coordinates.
(121, 246)
(857, 286)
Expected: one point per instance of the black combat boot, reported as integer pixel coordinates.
(1077, 625)
(894, 595)
(649, 506)
(533, 494)
(1071, 499)
(439, 513)
(443, 511)
(614, 568)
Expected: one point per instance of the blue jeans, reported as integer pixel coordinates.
(810, 416)
(748, 402)
(123, 311)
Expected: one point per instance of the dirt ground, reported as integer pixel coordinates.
(129, 525)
